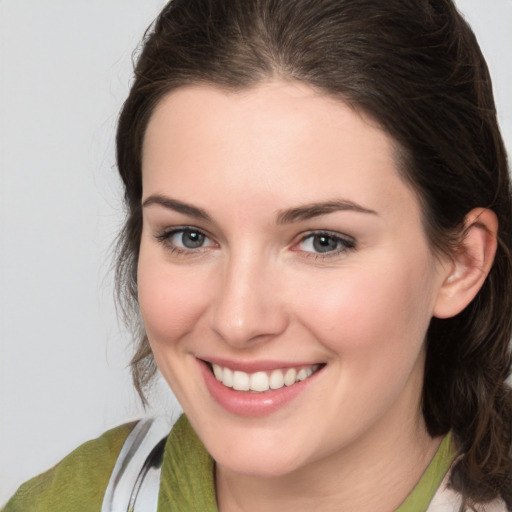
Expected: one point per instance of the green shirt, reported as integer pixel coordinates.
(78, 482)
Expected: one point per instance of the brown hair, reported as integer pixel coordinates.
(416, 68)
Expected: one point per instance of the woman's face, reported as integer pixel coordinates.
(281, 248)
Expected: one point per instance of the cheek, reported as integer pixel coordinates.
(373, 324)
(381, 313)
(171, 301)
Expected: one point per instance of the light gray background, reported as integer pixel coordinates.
(64, 72)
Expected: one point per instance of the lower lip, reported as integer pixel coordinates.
(244, 403)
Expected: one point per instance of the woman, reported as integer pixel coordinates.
(318, 241)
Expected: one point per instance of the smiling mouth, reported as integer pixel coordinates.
(261, 382)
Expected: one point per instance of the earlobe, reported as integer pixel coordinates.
(470, 264)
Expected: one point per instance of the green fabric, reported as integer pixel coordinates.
(187, 481)
(78, 482)
(424, 491)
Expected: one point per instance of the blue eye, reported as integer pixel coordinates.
(322, 243)
(188, 239)
(183, 239)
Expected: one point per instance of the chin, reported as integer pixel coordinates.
(257, 452)
(259, 467)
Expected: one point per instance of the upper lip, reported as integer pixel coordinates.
(257, 366)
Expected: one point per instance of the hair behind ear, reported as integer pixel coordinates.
(469, 359)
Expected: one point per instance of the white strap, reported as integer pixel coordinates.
(135, 480)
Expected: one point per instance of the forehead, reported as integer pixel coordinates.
(277, 139)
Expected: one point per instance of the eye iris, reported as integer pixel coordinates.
(192, 239)
(325, 243)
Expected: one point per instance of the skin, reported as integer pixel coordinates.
(256, 290)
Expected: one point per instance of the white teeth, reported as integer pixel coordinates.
(217, 370)
(276, 379)
(302, 375)
(227, 377)
(240, 381)
(261, 381)
(290, 376)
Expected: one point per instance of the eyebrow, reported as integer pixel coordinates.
(312, 210)
(177, 206)
(288, 216)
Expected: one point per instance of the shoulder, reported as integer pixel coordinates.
(76, 483)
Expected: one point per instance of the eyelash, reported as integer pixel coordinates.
(345, 243)
(165, 239)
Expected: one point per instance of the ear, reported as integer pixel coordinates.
(470, 264)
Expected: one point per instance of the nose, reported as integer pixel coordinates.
(247, 306)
